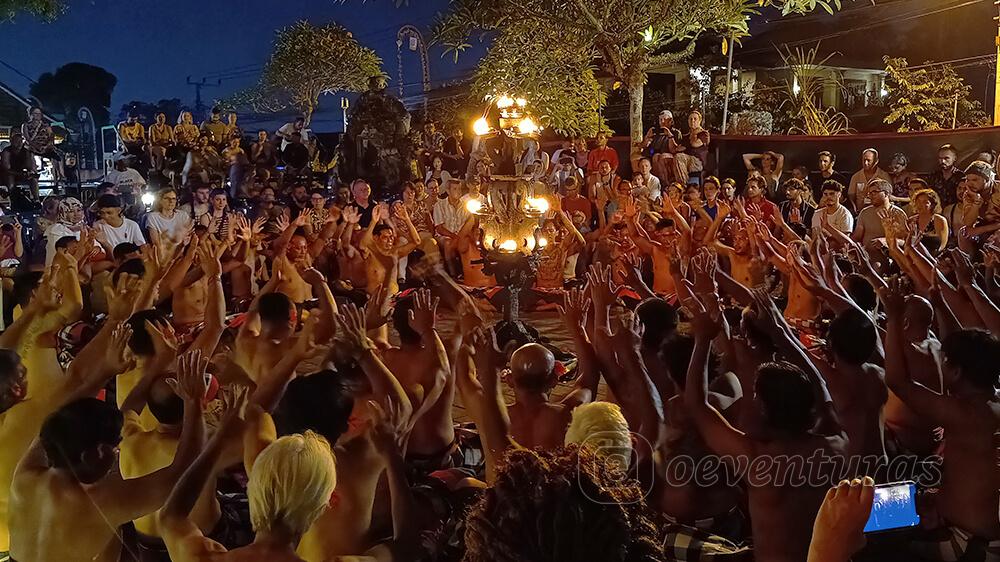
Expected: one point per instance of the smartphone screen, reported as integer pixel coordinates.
(895, 507)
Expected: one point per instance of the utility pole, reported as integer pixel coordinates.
(729, 83)
(996, 87)
(204, 83)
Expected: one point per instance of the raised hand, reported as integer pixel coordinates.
(351, 215)
(164, 338)
(576, 302)
(123, 296)
(211, 256)
(629, 207)
(424, 311)
(768, 316)
(312, 276)
(963, 267)
(378, 311)
(351, 325)
(400, 212)
(705, 263)
(388, 427)
(628, 332)
(893, 295)
(304, 218)
(48, 297)
(190, 383)
(482, 345)
(282, 221)
(258, 225)
(633, 270)
(117, 356)
(602, 289)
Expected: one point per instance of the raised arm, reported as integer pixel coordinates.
(574, 312)
(184, 540)
(215, 300)
(938, 408)
(124, 500)
(721, 437)
(479, 355)
(389, 440)
(351, 324)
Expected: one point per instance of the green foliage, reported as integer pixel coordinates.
(624, 37)
(923, 99)
(76, 85)
(308, 61)
(46, 10)
(560, 85)
(805, 106)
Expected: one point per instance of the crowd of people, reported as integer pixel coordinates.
(290, 378)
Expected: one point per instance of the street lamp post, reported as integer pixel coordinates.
(345, 104)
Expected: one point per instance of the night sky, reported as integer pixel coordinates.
(152, 46)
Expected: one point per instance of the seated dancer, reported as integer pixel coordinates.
(970, 414)
(561, 240)
(535, 419)
(68, 499)
(469, 247)
(323, 402)
(380, 251)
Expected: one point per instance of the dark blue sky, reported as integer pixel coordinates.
(153, 45)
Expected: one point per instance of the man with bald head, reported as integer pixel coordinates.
(905, 430)
(534, 420)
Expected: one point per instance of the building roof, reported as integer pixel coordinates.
(14, 106)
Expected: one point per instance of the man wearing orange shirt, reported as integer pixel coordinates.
(602, 152)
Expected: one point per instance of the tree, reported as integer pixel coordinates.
(309, 61)
(76, 85)
(47, 10)
(929, 97)
(624, 38)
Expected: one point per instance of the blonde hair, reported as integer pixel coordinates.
(291, 483)
(602, 425)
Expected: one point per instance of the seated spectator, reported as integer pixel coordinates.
(772, 164)
(818, 179)
(945, 178)
(797, 209)
(869, 225)
(295, 155)
(928, 221)
(830, 210)
(18, 165)
(857, 188)
(600, 154)
(112, 228)
(125, 179)
(900, 176)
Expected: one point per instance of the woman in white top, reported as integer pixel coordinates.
(70, 223)
(436, 172)
(168, 225)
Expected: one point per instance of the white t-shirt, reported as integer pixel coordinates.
(129, 231)
(53, 233)
(287, 129)
(173, 229)
(129, 181)
(840, 219)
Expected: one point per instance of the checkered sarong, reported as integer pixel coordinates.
(682, 542)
